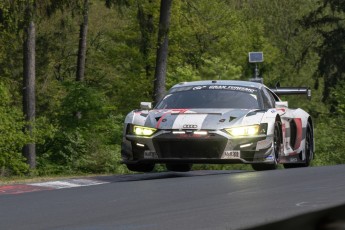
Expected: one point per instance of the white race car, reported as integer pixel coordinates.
(219, 122)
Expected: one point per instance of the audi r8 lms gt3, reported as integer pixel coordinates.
(218, 122)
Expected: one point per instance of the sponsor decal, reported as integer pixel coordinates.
(190, 126)
(199, 87)
(225, 87)
(230, 87)
(232, 154)
(150, 155)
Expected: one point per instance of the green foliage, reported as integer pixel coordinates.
(330, 141)
(328, 20)
(12, 137)
(83, 99)
(88, 144)
(207, 38)
(338, 96)
(181, 74)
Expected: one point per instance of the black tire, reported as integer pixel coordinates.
(277, 141)
(309, 146)
(140, 167)
(179, 167)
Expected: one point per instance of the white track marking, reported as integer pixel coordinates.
(71, 183)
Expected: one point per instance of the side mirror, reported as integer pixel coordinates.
(309, 94)
(282, 104)
(145, 105)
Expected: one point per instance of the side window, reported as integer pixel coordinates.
(275, 97)
(268, 99)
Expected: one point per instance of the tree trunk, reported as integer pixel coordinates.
(29, 100)
(82, 48)
(147, 29)
(82, 43)
(162, 50)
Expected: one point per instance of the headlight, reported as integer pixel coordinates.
(244, 130)
(143, 131)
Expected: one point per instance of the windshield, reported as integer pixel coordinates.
(211, 97)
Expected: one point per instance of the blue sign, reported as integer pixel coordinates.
(255, 57)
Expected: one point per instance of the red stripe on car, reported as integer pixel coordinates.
(298, 122)
(170, 111)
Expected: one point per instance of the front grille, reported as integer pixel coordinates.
(185, 149)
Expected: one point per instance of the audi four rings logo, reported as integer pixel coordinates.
(190, 126)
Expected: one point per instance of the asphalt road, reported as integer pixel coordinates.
(195, 200)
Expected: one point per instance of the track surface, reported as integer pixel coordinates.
(194, 200)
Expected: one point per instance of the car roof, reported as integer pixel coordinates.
(221, 82)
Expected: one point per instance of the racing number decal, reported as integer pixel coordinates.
(232, 154)
(150, 155)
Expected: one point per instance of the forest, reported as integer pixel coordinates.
(70, 71)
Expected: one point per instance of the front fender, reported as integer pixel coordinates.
(270, 118)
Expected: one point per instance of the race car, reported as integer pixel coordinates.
(219, 122)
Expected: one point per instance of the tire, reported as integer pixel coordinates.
(179, 167)
(140, 167)
(309, 145)
(277, 141)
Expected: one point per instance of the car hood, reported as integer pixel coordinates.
(206, 119)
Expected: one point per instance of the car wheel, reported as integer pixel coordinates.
(308, 150)
(179, 167)
(308, 146)
(140, 167)
(277, 143)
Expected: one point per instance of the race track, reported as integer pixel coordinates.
(195, 200)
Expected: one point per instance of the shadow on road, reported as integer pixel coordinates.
(163, 175)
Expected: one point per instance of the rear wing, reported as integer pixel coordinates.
(292, 91)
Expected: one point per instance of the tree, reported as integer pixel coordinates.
(162, 50)
(81, 60)
(31, 11)
(29, 75)
(145, 17)
(82, 43)
(328, 20)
